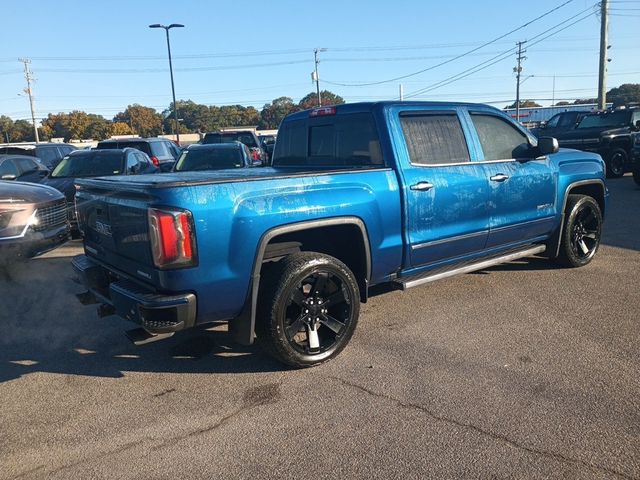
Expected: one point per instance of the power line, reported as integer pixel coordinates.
(503, 56)
(458, 56)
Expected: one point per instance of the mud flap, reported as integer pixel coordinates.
(242, 328)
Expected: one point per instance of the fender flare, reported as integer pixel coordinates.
(553, 246)
(242, 327)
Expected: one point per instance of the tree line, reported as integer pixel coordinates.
(199, 118)
(622, 95)
(148, 122)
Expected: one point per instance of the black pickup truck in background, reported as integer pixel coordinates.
(559, 123)
(607, 133)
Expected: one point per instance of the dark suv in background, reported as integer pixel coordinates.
(559, 123)
(248, 137)
(162, 152)
(49, 154)
(607, 133)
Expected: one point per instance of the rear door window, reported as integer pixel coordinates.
(160, 150)
(499, 139)
(26, 165)
(48, 155)
(8, 168)
(133, 163)
(434, 138)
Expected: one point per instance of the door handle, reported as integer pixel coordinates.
(422, 186)
(501, 177)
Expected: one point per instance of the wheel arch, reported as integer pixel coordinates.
(286, 239)
(594, 188)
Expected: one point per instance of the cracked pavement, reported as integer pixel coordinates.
(520, 371)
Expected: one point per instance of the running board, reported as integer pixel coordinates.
(450, 271)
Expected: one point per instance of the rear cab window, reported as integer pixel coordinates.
(336, 141)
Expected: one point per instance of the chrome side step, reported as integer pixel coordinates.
(432, 276)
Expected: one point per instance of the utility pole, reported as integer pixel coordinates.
(518, 70)
(28, 74)
(315, 76)
(604, 46)
(401, 93)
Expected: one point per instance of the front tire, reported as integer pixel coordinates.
(308, 308)
(636, 174)
(616, 163)
(581, 231)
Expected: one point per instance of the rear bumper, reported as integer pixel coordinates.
(155, 312)
(33, 243)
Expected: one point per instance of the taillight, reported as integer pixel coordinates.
(155, 161)
(172, 236)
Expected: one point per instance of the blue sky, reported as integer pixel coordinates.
(100, 56)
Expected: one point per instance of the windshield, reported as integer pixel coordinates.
(228, 137)
(209, 159)
(605, 120)
(94, 163)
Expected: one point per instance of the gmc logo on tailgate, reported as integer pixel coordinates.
(103, 228)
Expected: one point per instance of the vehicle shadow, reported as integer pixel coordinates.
(622, 223)
(527, 263)
(46, 329)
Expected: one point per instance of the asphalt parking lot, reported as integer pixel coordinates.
(520, 371)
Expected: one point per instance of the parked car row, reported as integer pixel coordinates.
(20, 228)
(49, 154)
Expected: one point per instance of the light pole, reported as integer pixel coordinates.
(173, 89)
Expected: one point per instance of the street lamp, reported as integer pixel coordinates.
(173, 90)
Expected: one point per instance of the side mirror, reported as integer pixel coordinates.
(9, 176)
(547, 145)
(638, 125)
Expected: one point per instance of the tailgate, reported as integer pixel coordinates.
(115, 225)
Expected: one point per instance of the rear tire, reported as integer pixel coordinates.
(308, 308)
(616, 163)
(581, 231)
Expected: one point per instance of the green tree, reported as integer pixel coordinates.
(6, 129)
(525, 104)
(56, 125)
(22, 131)
(585, 101)
(119, 128)
(624, 94)
(328, 98)
(144, 121)
(99, 128)
(194, 117)
(272, 114)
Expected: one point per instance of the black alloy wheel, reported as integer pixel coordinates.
(585, 234)
(581, 232)
(616, 163)
(308, 309)
(318, 312)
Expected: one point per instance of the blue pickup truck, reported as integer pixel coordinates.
(394, 194)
